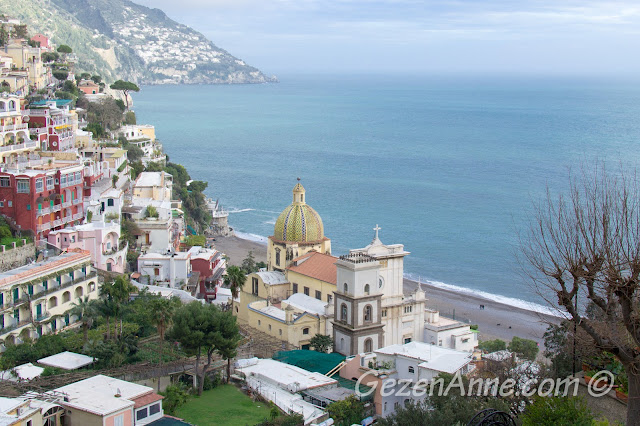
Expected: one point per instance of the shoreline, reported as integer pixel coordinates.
(498, 320)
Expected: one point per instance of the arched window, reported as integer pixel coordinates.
(346, 288)
(343, 312)
(66, 296)
(305, 330)
(367, 313)
(277, 257)
(53, 302)
(341, 343)
(269, 327)
(12, 105)
(366, 289)
(368, 345)
(411, 370)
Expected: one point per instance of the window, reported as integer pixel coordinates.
(78, 177)
(1, 203)
(408, 309)
(318, 295)
(305, 330)
(366, 289)
(22, 186)
(39, 185)
(411, 370)
(49, 182)
(368, 345)
(156, 271)
(343, 312)
(269, 327)
(277, 257)
(110, 202)
(154, 409)
(141, 414)
(118, 421)
(306, 291)
(28, 207)
(295, 288)
(259, 322)
(10, 203)
(384, 313)
(5, 182)
(440, 342)
(280, 332)
(407, 340)
(329, 298)
(63, 180)
(346, 288)
(254, 286)
(367, 313)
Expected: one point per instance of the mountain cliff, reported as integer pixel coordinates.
(123, 40)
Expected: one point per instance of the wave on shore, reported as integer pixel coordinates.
(505, 300)
(251, 237)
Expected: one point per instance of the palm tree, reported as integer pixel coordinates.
(163, 310)
(235, 279)
(107, 310)
(85, 310)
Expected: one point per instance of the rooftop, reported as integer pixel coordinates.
(35, 269)
(22, 372)
(147, 179)
(306, 303)
(103, 395)
(433, 357)
(316, 265)
(288, 376)
(272, 277)
(67, 360)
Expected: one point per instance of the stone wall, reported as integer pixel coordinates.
(13, 257)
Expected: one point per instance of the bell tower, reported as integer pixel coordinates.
(357, 325)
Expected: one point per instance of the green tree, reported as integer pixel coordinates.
(227, 338)
(86, 311)
(235, 279)
(163, 310)
(347, 411)
(321, 343)
(175, 396)
(526, 348)
(63, 48)
(125, 87)
(559, 350)
(151, 212)
(60, 74)
(492, 345)
(134, 153)
(249, 264)
(20, 31)
(129, 117)
(114, 180)
(557, 411)
(96, 79)
(49, 57)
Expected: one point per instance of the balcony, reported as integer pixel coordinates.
(43, 316)
(42, 212)
(15, 326)
(66, 204)
(14, 303)
(56, 208)
(62, 286)
(14, 147)
(44, 227)
(57, 222)
(77, 201)
(14, 127)
(78, 216)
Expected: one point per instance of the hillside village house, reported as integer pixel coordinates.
(157, 234)
(144, 137)
(88, 87)
(414, 362)
(167, 270)
(210, 264)
(53, 123)
(14, 133)
(31, 412)
(100, 238)
(102, 400)
(29, 59)
(36, 298)
(44, 197)
(154, 185)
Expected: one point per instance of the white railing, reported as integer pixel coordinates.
(17, 146)
(77, 201)
(43, 227)
(78, 216)
(56, 208)
(14, 127)
(57, 222)
(66, 204)
(44, 211)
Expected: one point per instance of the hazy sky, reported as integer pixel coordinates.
(592, 37)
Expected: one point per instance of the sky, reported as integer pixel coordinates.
(507, 36)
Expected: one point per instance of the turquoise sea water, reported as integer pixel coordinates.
(448, 166)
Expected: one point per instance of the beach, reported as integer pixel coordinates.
(495, 321)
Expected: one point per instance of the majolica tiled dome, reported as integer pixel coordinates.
(299, 222)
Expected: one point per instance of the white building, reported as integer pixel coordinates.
(154, 185)
(448, 333)
(167, 270)
(397, 364)
(157, 234)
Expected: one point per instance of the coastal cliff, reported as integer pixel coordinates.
(123, 40)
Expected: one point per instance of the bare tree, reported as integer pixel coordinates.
(585, 249)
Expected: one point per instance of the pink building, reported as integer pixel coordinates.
(101, 239)
(211, 265)
(43, 40)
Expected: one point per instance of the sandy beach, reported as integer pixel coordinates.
(496, 320)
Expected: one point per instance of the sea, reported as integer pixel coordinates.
(450, 166)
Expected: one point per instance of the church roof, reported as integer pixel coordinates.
(306, 303)
(299, 222)
(316, 265)
(272, 277)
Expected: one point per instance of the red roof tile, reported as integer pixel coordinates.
(316, 265)
(146, 399)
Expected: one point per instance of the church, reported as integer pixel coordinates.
(356, 298)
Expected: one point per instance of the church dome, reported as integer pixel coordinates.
(299, 222)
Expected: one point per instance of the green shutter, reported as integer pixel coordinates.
(16, 294)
